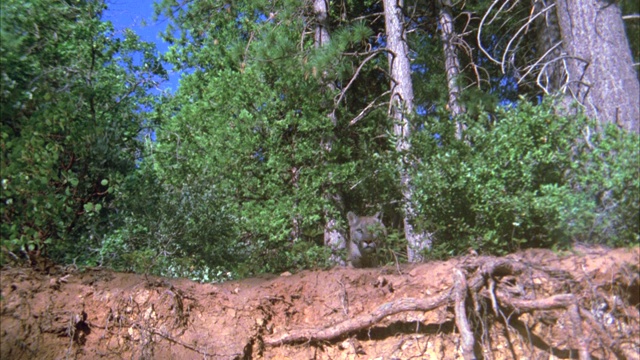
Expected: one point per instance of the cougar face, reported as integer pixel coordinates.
(364, 231)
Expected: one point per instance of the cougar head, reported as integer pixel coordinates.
(364, 231)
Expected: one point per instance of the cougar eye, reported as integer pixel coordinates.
(359, 231)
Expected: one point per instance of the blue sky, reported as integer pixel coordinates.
(137, 15)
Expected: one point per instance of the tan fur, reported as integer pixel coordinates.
(364, 232)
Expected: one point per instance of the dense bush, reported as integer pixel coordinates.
(527, 177)
(73, 104)
(522, 177)
(169, 230)
(270, 136)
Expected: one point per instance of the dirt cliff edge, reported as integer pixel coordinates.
(533, 304)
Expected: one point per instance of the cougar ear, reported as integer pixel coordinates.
(352, 217)
(378, 216)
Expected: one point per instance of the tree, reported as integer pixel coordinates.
(580, 51)
(287, 121)
(451, 62)
(400, 111)
(252, 122)
(279, 124)
(601, 77)
(73, 106)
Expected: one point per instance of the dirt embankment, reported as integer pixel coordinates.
(534, 304)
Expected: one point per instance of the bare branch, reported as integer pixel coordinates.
(372, 106)
(631, 17)
(355, 75)
(542, 72)
(515, 36)
(479, 36)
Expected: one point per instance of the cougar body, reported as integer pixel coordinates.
(364, 231)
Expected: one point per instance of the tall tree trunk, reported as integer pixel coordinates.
(401, 107)
(321, 12)
(600, 69)
(451, 62)
(333, 236)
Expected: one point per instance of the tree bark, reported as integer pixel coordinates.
(401, 107)
(451, 62)
(321, 12)
(600, 69)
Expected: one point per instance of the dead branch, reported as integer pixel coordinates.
(355, 75)
(372, 106)
(514, 37)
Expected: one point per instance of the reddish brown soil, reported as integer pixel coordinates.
(97, 313)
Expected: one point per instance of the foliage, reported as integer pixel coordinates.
(165, 222)
(605, 177)
(251, 121)
(73, 101)
(527, 177)
(265, 125)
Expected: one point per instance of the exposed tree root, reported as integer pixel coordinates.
(460, 296)
(495, 281)
(359, 323)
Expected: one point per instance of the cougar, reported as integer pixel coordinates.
(364, 231)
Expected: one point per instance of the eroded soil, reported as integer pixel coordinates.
(97, 313)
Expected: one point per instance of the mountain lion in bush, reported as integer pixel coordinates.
(364, 231)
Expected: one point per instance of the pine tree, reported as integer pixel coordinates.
(601, 77)
(451, 62)
(401, 110)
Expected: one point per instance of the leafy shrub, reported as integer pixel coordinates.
(72, 105)
(526, 177)
(603, 205)
(178, 231)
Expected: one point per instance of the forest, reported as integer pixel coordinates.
(483, 126)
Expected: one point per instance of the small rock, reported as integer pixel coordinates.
(54, 284)
(344, 345)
